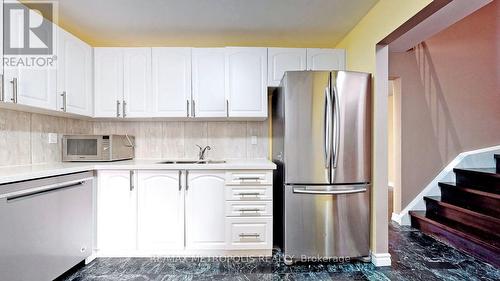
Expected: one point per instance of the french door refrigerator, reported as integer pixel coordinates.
(322, 146)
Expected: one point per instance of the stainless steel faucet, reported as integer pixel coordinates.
(203, 150)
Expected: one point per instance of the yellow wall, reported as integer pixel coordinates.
(360, 45)
(380, 21)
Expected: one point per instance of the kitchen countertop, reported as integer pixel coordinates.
(28, 172)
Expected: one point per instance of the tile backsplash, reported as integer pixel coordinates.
(24, 137)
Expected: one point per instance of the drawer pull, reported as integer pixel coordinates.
(249, 210)
(250, 178)
(251, 235)
(249, 194)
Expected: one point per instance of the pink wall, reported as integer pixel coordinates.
(450, 97)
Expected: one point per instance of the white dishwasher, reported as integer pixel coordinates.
(45, 226)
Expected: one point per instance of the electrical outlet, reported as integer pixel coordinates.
(52, 138)
(254, 140)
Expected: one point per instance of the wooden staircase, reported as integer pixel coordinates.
(467, 215)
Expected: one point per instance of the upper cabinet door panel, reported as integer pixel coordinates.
(108, 81)
(247, 81)
(325, 59)
(36, 86)
(209, 76)
(171, 81)
(137, 95)
(74, 74)
(284, 59)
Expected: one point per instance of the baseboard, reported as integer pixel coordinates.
(480, 158)
(91, 258)
(381, 259)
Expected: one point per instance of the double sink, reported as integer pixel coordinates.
(193, 162)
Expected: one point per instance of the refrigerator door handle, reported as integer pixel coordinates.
(328, 127)
(335, 191)
(336, 125)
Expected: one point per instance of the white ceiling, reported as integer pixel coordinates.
(319, 23)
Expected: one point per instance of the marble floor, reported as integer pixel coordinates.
(415, 256)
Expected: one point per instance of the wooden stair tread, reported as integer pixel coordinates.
(471, 190)
(459, 230)
(485, 171)
(471, 220)
(437, 199)
(456, 238)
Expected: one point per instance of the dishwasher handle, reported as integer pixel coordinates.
(43, 189)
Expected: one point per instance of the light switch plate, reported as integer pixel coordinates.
(254, 140)
(52, 138)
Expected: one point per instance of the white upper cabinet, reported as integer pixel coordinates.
(160, 210)
(137, 94)
(325, 59)
(116, 211)
(209, 82)
(108, 82)
(33, 86)
(280, 60)
(246, 81)
(74, 74)
(171, 82)
(205, 210)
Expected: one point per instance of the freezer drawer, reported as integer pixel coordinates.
(327, 221)
(47, 227)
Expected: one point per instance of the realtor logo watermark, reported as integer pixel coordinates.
(29, 34)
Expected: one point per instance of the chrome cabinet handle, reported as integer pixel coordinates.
(124, 109)
(249, 178)
(64, 100)
(249, 194)
(253, 235)
(187, 183)
(187, 108)
(249, 210)
(117, 108)
(14, 90)
(227, 108)
(180, 181)
(2, 93)
(132, 180)
(194, 109)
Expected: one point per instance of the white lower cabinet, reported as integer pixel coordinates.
(205, 210)
(116, 212)
(172, 212)
(160, 211)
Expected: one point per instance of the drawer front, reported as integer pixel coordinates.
(249, 209)
(249, 177)
(250, 233)
(249, 193)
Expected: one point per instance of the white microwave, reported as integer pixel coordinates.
(97, 147)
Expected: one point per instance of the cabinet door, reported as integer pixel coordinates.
(325, 59)
(108, 82)
(116, 212)
(280, 60)
(247, 81)
(205, 210)
(138, 98)
(160, 211)
(209, 88)
(74, 74)
(36, 85)
(171, 81)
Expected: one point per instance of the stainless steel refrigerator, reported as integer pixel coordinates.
(322, 146)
